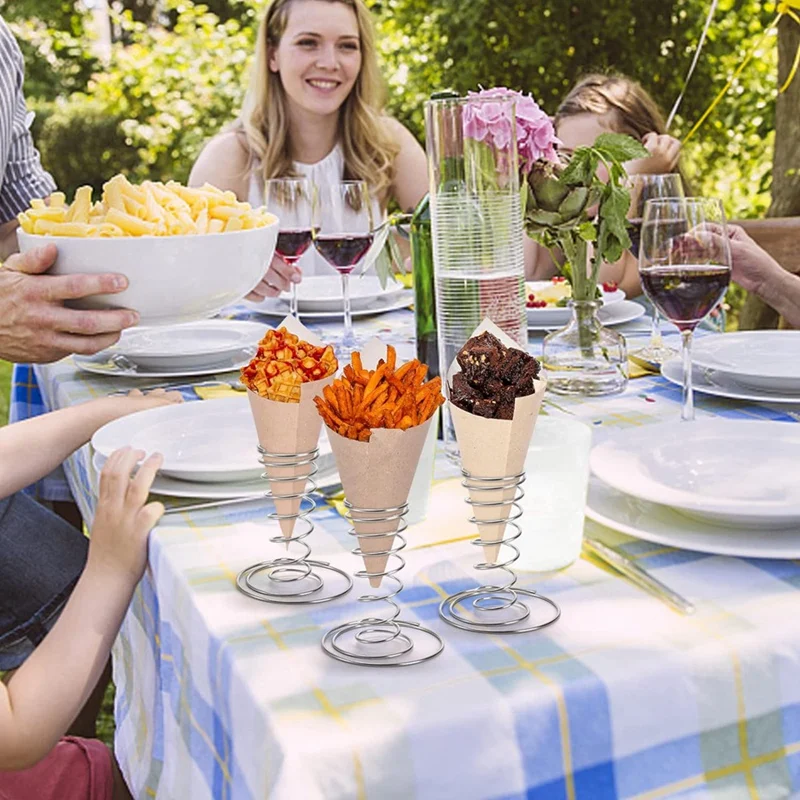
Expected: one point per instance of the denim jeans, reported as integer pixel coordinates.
(41, 558)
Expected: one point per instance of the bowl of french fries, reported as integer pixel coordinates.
(186, 252)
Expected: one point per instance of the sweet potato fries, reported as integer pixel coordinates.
(384, 397)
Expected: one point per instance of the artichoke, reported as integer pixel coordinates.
(551, 205)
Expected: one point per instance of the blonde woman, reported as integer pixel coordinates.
(314, 108)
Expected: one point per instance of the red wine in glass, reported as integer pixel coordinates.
(293, 243)
(686, 293)
(343, 250)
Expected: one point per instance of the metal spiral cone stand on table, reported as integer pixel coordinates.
(382, 641)
(293, 579)
(501, 607)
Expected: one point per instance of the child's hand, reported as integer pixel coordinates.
(664, 152)
(122, 522)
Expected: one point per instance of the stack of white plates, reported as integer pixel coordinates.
(197, 348)
(719, 486)
(320, 296)
(762, 366)
(209, 447)
(616, 309)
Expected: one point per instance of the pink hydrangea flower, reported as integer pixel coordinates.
(488, 122)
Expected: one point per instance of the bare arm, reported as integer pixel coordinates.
(224, 163)
(34, 447)
(48, 690)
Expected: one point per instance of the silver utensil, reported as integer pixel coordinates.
(326, 491)
(638, 576)
(237, 386)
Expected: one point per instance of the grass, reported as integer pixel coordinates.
(5, 390)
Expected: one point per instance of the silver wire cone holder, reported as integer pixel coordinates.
(385, 641)
(294, 578)
(499, 607)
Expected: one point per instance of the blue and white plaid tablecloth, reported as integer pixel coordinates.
(219, 696)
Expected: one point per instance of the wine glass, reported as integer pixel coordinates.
(344, 236)
(643, 187)
(294, 202)
(685, 267)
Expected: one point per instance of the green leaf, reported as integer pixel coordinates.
(581, 168)
(587, 231)
(619, 147)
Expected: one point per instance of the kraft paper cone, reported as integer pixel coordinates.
(495, 448)
(378, 474)
(288, 428)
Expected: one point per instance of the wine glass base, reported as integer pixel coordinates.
(655, 354)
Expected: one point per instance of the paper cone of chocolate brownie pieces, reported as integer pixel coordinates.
(289, 428)
(377, 475)
(495, 448)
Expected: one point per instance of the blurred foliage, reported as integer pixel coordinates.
(177, 72)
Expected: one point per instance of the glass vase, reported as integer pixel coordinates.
(584, 358)
(476, 222)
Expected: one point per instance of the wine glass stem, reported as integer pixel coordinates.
(655, 330)
(687, 404)
(348, 317)
(293, 301)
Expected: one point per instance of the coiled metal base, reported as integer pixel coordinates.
(382, 641)
(498, 608)
(293, 579)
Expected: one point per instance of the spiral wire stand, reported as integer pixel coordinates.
(293, 578)
(498, 607)
(382, 641)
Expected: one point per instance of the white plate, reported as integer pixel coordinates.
(560, 316)
(709, 381)
(736, 472)
(662, 525)
(102, 364)
(188, 346)
(324, 292)
(277, 307)
(172, 487)
(206, 441)
(616, 314)
(764, 359)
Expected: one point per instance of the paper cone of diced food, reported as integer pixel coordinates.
(286, 419)
(494, 399)
(377, 441)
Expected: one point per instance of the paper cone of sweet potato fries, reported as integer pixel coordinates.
(377, 473)
(289, 428)
(495, 448)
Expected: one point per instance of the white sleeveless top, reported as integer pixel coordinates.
(325, 172)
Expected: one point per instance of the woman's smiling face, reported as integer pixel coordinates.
(319, 55)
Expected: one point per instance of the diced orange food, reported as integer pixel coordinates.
(284, 362)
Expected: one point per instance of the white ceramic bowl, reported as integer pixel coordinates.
(171, 278)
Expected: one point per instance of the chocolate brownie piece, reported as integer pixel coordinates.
(485, 407)
(480, 358)
(524, 384)
(505, 410)
(461, 393)
(512, 364)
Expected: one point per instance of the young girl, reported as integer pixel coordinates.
(314, 108)
(44, 695)
(601, 104)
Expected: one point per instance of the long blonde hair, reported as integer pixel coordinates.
(369, 149)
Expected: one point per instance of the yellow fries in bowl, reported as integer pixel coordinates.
(187, 253)
(152, 209)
